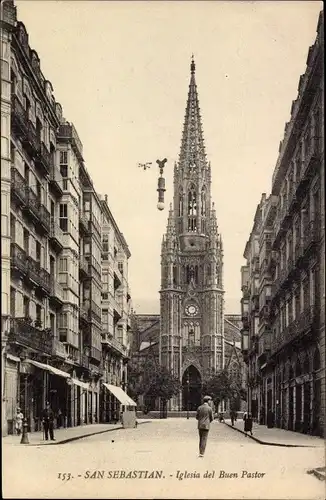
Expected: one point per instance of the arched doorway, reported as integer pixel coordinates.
(191, 389)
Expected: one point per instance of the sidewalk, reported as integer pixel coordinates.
(63, 436)
(278, 437)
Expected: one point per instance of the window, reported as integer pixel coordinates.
(38, 252)
(38, 315)
(64, 168)
(203, 202)
(63, 218)
(120, 267)
(105, 296)
(63, 264)
(26, 307)
(105, 243)
(26, 241)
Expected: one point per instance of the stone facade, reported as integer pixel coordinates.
(146, 335)
(51, 237)
(283, 304)
(191, 295)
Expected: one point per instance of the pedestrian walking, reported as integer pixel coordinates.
(19, 418)
(247, 423)
(232, 417)
(205, 417)
(48, 422)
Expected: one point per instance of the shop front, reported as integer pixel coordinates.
(126, 407)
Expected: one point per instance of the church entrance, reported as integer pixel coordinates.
(191, 389)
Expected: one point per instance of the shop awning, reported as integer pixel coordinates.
(84, 385)
(121, 395)
(49, 368)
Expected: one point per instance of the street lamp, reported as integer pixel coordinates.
(161, 184)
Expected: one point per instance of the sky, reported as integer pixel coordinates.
(121, 72)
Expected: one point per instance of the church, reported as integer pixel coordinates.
(191, 296)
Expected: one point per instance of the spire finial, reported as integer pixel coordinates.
(193, 65)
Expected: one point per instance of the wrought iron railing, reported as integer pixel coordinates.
(18, 185)
(18, 257)
(24, 333)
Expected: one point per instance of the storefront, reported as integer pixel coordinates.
(125, 406)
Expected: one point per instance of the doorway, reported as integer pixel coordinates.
(191, 389)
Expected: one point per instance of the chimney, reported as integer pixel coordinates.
(106, 198)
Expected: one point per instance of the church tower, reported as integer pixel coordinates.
(191, 295)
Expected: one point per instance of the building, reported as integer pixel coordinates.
(191, 295)
(145, 350)
(51, 236)
(285, 348)
(234, 362)
(116, 311)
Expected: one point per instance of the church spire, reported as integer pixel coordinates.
(192, 153)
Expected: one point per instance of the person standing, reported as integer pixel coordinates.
(248, 424)
(48, 421)
(19, 417)
(204, 416)
(232, 417)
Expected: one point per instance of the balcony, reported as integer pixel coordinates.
(56, 181)
(110, 341)
(312, 159)
(56, 293)
(95, 354)
(31, 140)
(18, 259)
(117, 309)
(56, 238)
(23, 333)
(45, 219)
(83, 222)
(33, 204)
(18, 187)
(311, 235)
(84, 312)
(297, 329)
(19, 118)
(39, 276)
(83, 267)
(68, 133)
(264, 348)
(96, 312)
(59, 349)
(44, 159)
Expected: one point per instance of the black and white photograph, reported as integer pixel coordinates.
(162, 249)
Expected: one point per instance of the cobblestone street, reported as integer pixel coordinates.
(164, 447)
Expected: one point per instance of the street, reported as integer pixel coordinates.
(162, 459)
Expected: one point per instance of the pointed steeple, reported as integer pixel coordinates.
(192, 153)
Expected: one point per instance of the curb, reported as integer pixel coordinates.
(268, 443)
(76, 438)
(319, 473)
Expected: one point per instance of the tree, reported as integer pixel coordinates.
(222, 386)
(164, 385)
(140, 377)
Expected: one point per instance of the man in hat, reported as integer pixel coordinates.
(48, 420)
(205, 417)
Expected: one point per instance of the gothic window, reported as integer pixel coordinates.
(180, 202)
(203, 202)
(192, 202)
(175, 275)
(191, 337)
(191, 274)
